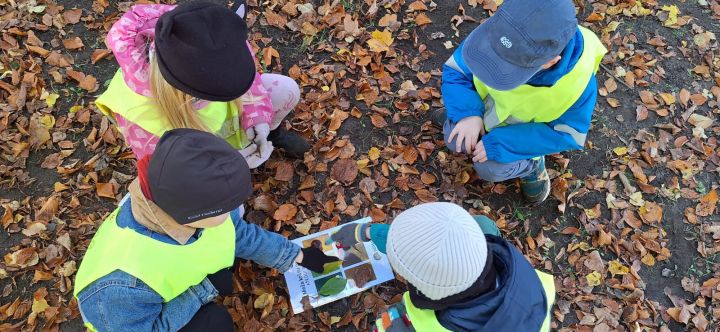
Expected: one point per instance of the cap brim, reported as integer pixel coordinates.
(489, 67)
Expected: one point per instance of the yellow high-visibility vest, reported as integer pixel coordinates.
(528, 103)
(221, 118)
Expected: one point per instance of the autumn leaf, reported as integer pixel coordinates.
(380, 41)
(73, 43)
(106, 190)
(284, 172)
(594, 279)
(285, 212)
(651, 212)
(344, 171)
(617, 268)
(707, 204)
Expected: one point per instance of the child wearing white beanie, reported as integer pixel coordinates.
(461, 275)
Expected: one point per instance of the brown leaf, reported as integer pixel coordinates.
(425, 196)
(87, 82)
(49, 209)
(427, 178)
(22, 258)
(377, 215)
(107, 190)
(651, 212)
(284, 172)
(344, 171)
(285, 212)
(707, 204)
(337, 119)
(72, 16)
(264, 203)
(99, 54)
(73, 43)
(422, 19)
(378, 121)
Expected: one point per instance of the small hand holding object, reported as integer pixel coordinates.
(479, 154)
(349, 235)
(467, 132)
(260, 148)
(314, 259)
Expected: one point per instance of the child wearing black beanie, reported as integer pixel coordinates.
(191, 66)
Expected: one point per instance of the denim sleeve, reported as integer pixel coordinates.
(458, 91)
(264, 247)
(528, 140)
(121, 302)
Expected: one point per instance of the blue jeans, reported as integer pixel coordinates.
(490, 170)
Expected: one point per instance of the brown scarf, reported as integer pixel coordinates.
(148, 214)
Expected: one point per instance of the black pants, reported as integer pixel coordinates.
(211, 317)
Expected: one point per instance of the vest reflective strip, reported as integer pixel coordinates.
(168, 269)
(453, 64)
(548, 103)
(577, 136)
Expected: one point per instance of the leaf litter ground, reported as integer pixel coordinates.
(631, 232)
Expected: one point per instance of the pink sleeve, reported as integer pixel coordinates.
(129, 39)
(259, 108)
(140, 141)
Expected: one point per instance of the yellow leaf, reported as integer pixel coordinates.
(618, 268)
(668, 98)
(380, 41)
(611, 27)
(75, 108)
(594, 279)
(374, 153)
(648, 260)
(51, 99)
(264, 300)
(637, 199)
(48, 121)
(673, 12)
(620, 150)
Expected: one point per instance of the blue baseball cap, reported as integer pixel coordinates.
(510, 47)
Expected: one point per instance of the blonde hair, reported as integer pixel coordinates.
(177, 106)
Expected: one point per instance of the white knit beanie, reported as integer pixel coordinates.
(437, 247)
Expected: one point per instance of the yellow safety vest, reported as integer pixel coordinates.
(167, 268)
(221, 118)
(528, 103)
(424, 320)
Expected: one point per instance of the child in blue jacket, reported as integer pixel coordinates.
(520, 86)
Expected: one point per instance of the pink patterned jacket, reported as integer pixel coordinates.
(130, 40)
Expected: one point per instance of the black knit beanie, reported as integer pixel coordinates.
(202, 50)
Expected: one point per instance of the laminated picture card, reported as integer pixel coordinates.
(360, 267)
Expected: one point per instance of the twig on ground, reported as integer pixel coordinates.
(609, 72)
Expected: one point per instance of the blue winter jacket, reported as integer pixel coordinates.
(522, 141)
(517, 304)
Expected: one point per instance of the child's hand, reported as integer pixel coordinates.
(349, 235)
(479, 155)
(314, 259)
(466, 131)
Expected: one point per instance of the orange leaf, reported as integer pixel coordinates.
(73, 43)
(285, 212)
(99, 54)
(378, 121)
(707, 204)
(422, 19)
(106, 190)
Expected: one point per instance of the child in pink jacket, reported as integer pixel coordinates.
(191, 66)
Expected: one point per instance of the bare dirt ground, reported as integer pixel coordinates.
(631, 232)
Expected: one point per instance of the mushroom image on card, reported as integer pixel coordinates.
(361, 274)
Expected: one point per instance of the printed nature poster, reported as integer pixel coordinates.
(360, 267)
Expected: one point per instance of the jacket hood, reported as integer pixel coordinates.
(517, 304)
(569, 57)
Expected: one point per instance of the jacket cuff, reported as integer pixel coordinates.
(378, 235)
(205, 291)
(287, 257)
(492, 147)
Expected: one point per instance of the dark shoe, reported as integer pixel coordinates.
(294, 145)
(536, 186)
(438, 117)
